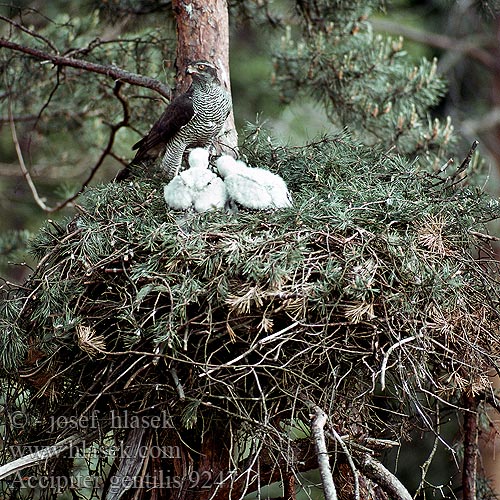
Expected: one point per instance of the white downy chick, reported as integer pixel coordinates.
(196, 186)
(214, 196)
(197, 177)
(178, 195)
(227, 165)
(198, 158)
(255, 188)
(274, 185)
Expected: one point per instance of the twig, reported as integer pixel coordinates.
(51, 95)
(484, 236)
(467, 159)
(345, 449)
(375, 471)
(32, 33)
(449, 162)
(469, 469)
(386, 358)
(177, 384)
(318, 423)
(105, 152)
(22, 165)
(111, 71)
(425, 466)
(252, 348)
(455, 178)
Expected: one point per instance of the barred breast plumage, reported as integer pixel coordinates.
(194, 118)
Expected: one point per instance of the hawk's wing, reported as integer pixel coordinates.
(178, 113)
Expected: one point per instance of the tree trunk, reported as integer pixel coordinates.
(203, 33)
(469, 469)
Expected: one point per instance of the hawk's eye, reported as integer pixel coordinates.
(201, 67)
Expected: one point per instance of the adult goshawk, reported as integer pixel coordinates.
(192, 119)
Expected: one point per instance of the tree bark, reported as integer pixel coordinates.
(469, 469)
(203, 33)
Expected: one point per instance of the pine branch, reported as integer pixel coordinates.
(111, 71)
(106, 151)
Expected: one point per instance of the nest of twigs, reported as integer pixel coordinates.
(377, 282)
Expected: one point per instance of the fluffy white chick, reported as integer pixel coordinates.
(197, 177)
(178, 195)
(255, 188)
(214, 196)
(196, 186)
(198, 158)
(227, 165)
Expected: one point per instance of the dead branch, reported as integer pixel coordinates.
(105, 152)
(375, 471)
(386, 358)
(40, 455)
(317, 429)
(350, 460)
(24, 169)
(425, 466)
(30, 32)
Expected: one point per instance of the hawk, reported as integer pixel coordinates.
(192, 119)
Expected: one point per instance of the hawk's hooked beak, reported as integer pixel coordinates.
(190, 70)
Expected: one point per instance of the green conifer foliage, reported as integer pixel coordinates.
(363, 80)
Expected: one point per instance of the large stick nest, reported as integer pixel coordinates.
(378, 276)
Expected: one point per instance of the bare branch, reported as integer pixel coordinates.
(375, 471)
(40, 456)
(386, 358)
(425, 466)
(24, 169)
(439, 41)
(32, 33)
(350, 461)
(111, 71)
(318, 423)
(106, 151)
(177, 384)
(484, 236)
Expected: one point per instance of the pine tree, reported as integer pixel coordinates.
(229, 336)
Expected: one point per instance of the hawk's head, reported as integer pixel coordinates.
(202, 71)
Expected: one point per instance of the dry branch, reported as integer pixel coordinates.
(317, 429)
(40, 456)
(350, 461)
(375, 471)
